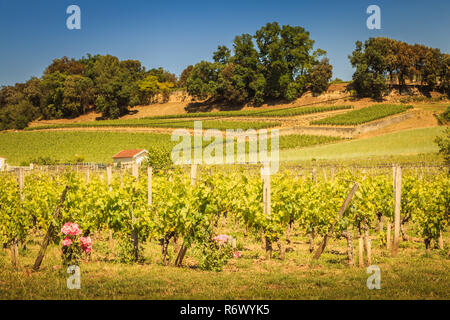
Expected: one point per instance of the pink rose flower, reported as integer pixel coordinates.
(86, 244)
(71, 229)
(237, 254)
(222, 239)
(67, 242)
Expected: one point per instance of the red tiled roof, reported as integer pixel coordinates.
(128, 153)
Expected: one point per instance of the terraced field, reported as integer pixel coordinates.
(364, 115)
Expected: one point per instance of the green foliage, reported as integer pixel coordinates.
(70, 88)
(444, 145)
(282, 66)
(213, 256)
(320, 76)
(363, 115)
(381, 59)
(152, 123)
(282, 112)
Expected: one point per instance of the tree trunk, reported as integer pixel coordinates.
(402, 230)
(311, 241)
(176, 246)
(350, 251)
(269, 249)
(165, 246)
(281, 249)
(288, 232)
(263, 241)
(15, 254)
(427, 245)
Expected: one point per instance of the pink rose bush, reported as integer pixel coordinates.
(86, 244)
(71, 229)
(222, 239)
(217, 251)
(73, 245)
(67, 242)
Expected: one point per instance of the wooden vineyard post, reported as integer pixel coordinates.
(360, 247)
(193, 174)
(314, 174)
(88, 176)
(388, 223)
(109, 176)
(339, 217)
(367, 243)
(15, 242)
(135, 170)
(149, 186)
(332, 173)
(111, 239)
(324, 174)
(121, 178)
(266, 189)
(265, 174)
(350, 251)
(50, 231)
(397, 208)
(441, 241)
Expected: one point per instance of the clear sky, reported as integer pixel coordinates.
(173, 34)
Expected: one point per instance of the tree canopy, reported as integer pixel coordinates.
(69, 88)
(276, 62)
(381, 62)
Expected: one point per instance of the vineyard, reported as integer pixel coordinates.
(186, 209)
(364, 115)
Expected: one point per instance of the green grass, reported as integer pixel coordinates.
(100, 146)
(408, 142)
(152, 123)
(411, 275)
(363, 115)
(284, 112)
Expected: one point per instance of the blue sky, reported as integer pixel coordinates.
(174, 34)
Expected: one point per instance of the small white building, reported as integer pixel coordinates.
(127, 157)
(2, 164)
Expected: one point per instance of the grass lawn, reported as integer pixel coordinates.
(411, 275)
(100, 146)
(408, 142)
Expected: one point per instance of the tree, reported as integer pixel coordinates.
(202, 80)
(320, 76)
(184, 75)
(150, 86)
(78, 95)
(64, 65)
(444, 145)
(222, 55)
(113, 88)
